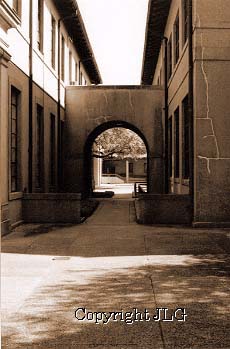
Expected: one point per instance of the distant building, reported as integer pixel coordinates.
(43, 48)
(187, 52)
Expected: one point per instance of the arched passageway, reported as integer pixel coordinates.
(90, 110)
(90, 162)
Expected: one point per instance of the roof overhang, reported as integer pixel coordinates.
(71, 17)
(158, 11)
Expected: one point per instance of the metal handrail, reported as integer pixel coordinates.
(138, 187)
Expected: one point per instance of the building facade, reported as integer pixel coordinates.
(187, 52)
(43, 48)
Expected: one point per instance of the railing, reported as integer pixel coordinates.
(140, 187)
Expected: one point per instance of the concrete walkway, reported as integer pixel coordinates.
(111, 264)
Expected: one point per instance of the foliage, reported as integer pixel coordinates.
(119, 143)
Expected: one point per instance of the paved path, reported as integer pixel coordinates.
(109, 263)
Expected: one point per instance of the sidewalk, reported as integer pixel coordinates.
(111, 264)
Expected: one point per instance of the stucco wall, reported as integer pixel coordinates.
(89, 107)
(211, 109)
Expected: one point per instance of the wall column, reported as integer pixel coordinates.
(127, 170)
(4, 127)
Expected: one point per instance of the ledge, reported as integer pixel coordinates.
(15, 196)
(51, 208)
(9, 16)
(163, 209)
(52, 196)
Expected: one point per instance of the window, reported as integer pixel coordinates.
(176, 144)
(185, 20)
(14, 139)
(169, 53)
(145, 167)
(62, 58)
(76, 72)
(186, 153)
(52, 150)
(130, 167)
(80, 80)
(40, 25)
(70, 66)
(170, 146)
(176, 40)
(39, 148)
(53, 41)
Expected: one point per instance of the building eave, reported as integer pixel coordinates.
(158, 11)
(74, 24)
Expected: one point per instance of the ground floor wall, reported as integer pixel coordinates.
(212, 127)
(15, 144)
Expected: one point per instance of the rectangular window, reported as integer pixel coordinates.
(176, 144)
(39, 148)
(80, 80)
(52, 150)
(170, 146)
(145, 167)
(62, 58)
(185, 20)
(40, 25)
(53, 41)
(130, 167)
(14, 139)
(186, 153)
(76, 72)
(169, 53)
(70, 66)
(176, 40)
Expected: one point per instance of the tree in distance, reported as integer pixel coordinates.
(119, 143)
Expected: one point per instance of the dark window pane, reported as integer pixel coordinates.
(177, 145)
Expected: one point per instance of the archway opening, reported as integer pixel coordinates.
(116, 160)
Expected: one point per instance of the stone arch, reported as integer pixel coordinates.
(89, 143)
(89, 109)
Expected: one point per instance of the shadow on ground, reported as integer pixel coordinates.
(198, 283)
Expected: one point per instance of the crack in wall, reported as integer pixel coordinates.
(208, 161)
(106, 99)
(207, 96)
(130, 101)
(100, 119)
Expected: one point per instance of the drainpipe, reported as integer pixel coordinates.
(190, 104)
(166, 113)
(59, 108)
(30, 149)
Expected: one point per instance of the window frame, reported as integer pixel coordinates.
(52, 151)
(40, 25)
(70, 66)
(186, 135)
(39, 148)
(170, 147)
(176, 39)
(184, 21)
(62, 58)
(14, 188)
(169, 57)
(177, 143)
(53, 42)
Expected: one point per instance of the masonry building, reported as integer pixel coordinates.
(187, 51)
(43, 47)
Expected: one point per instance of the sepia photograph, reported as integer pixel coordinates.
(115, 174)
